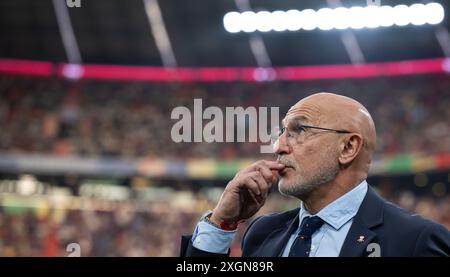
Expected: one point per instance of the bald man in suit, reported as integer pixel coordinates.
(324, 148)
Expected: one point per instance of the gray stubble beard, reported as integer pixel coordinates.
(302, 188)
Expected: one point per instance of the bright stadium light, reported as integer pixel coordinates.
(401, 15)
(264, 21)
(309, 17)
(386, 14)
(372, 17)
(434, 13)
(417, 16)
(325, 19)
(339, 18)
(356, 17)
(232, 22)
(279, 21)
(248, 21)
(293, 20)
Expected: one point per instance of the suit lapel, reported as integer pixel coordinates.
(356, 242)
(370, 214)
(277, 240)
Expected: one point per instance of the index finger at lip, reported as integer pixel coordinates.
(266, 173)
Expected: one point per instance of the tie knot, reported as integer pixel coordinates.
(310, 225)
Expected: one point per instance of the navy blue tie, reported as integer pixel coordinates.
(302, 244)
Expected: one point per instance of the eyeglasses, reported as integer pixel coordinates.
(296, 133)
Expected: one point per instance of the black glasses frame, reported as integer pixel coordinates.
(282, 129)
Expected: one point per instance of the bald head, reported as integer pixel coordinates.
(338, 112)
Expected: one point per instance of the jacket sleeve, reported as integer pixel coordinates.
(433, 241)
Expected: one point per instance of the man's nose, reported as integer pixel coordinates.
(281, 146)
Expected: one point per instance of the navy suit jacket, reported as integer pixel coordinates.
(398, 233)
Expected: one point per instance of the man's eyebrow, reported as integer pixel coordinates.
(300, 119)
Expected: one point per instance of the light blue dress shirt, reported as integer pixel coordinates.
(326, 242)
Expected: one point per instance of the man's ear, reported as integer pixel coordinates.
(350, 148)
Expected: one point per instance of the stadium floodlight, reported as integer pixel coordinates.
(248, 21)
(279, 21)
(264, 21)
(309, 17)
(417, 16)
(339, 18)
(372, 17)
(401, 15)
(434, 13)
(232, 22)
(325, 19)
(356, 17)
(293, 20)
(386, 16)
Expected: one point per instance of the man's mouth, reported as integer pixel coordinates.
(286, 163)
(286, 169)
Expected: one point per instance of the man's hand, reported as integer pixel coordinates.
(246, 193)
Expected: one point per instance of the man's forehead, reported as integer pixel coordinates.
(297, 118)
(304, 110)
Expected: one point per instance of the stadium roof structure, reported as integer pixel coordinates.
(119, 32)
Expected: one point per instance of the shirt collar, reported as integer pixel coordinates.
(341, 210)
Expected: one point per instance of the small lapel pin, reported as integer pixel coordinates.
(361, 239)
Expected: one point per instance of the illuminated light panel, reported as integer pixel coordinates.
(341, 18)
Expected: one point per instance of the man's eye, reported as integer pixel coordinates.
(298, 129)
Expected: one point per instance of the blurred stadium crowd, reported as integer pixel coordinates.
(129, 229)
(132, 119)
